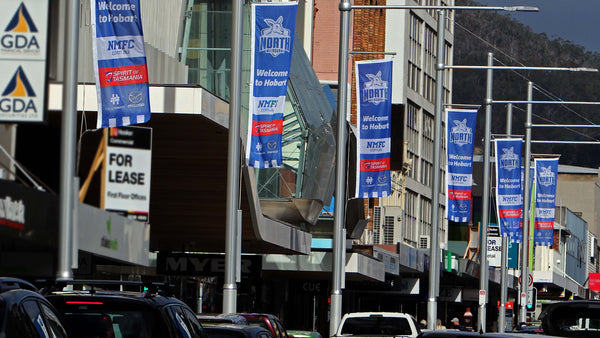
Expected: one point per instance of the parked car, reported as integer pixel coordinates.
(25, 313)
(268, 321)
(303, 334)
(221, 318)
(378, 324)
(100, 309)
(468, 334)
(236, 331)
(576, 318)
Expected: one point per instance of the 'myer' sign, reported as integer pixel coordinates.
(127, 171)
(192, 264)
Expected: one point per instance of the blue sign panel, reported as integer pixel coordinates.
(273, 26)
(546, 171)
(120, 63)
(459, 174)
(509, 190)
(374, 105)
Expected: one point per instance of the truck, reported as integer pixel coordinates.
(377, 324)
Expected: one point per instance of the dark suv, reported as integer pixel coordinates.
(25, 313)
(267, 321)
(106, 309)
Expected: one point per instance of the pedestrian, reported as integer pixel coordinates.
(423, 324)
(439, 325)
(455, 324)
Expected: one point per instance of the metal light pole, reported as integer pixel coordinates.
(67, 163)
(232, 223)
(339, 253)
(526, 200)
(483, 272)
(504, 254)
(434, 255)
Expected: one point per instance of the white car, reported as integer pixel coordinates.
(378, 324)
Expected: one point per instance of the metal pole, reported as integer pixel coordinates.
(233, 162)
(340, 174)
(483, 274)
(434, 251)
(69, 127)
(504, 257)
(526, 201)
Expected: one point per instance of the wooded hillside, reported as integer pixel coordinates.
(478, 32)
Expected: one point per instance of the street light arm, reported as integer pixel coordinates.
(521, 9)
(489, 8)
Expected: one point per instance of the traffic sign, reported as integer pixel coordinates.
(529, 280)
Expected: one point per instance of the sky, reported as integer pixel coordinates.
(572, 20)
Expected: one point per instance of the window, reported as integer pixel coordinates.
(414, 53)
(388, 230)
(376, 224)
(207, 45)
(54, 324)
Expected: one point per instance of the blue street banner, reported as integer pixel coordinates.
(459, 172)
(119, 63)
(374, 108)
(273, 26)
(546, 172)
(508, 187)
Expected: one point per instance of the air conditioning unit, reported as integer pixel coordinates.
(423, 242)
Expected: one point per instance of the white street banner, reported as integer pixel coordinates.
(23, 45)
(374, 106)
(273, 27)
(127, 171)
(119, 63)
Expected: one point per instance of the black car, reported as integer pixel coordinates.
(107, 309)
(576, 318)
(267, 321)
(25, 313)
(236, 331)
(221, 318)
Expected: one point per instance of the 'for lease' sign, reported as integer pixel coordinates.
(127, 176)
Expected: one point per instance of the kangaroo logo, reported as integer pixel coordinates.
(21, 22)
(19, 86)
(509, 160)
(275, 39)
(376, 90)
(461, 134)
(546, 176)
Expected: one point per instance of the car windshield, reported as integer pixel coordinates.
(116, 323)
(377, 326)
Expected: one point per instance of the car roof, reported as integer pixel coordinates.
(10, 283)
(378, 314)
(236, 327)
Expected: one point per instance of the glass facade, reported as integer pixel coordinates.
(206, 50)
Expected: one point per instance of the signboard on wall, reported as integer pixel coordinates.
(127, 163)
(23, 43)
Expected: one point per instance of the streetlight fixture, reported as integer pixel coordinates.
(338, 240)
